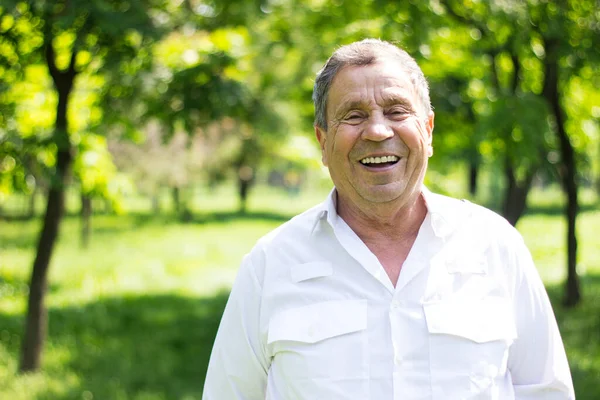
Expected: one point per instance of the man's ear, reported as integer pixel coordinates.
(429, 128)
(322, 138)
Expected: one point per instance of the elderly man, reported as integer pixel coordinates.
(386, 290)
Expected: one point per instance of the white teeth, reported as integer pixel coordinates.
(378, 160)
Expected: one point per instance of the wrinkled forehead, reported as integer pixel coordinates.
(385, 80)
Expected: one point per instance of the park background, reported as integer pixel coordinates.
(175, 133)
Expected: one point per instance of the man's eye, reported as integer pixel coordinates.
(353, 119)
(398, 113)
(353, 116)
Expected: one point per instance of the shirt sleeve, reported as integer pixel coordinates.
(537, 361)
(238, 367)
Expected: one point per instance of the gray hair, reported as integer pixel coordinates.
(365, 52)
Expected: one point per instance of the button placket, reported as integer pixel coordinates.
(394, 320)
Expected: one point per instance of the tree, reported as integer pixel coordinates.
(205, 85)
(158, 161)
(97, 176)
(70, 37)
(553, 41)
(579, 22)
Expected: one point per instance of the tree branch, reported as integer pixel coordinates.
(516, 69)
(494, 68)
(71, 71)
(50, 56)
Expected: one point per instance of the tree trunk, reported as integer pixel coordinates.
(86, 216)
(568, 169)
(32, 199)
(473, 173)
(156, 203)
(245, 175)
(36, 319)
(106, 206)
(515, 195)
(175, 192)
(243, 189)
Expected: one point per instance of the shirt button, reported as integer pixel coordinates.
(395, 304)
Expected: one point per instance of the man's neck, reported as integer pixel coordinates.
(389, 232)
(384, 222)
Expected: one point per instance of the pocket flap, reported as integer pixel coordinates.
(480, 320)
(316, 322)
(302, 272)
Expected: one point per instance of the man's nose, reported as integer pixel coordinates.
(377, 129)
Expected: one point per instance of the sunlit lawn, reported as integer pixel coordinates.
(134, 315)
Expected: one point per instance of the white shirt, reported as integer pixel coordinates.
(312, 315)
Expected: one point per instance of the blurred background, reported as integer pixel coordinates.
(174, 133)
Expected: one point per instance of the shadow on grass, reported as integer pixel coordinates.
(556, 209)
(229, 216)
(580, 330)
(551, 210)
(141, 220)
(148, 346)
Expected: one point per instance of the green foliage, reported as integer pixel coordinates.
(516, 39)
(516, 127)
(100, 36)
(200, 94)
(255, 62)
(96, 172)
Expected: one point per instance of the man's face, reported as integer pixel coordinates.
(378, 139)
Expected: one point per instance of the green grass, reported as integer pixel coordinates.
(134, 315)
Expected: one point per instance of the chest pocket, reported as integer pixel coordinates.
(468, 344)
(325, 341)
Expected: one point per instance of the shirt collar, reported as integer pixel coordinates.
(443, 216)
(327, 211)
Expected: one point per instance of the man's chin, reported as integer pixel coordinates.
(384, 194)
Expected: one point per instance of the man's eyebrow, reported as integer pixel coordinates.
(394, 98)
(351, 104)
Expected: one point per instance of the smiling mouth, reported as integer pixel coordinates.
(379, 162)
